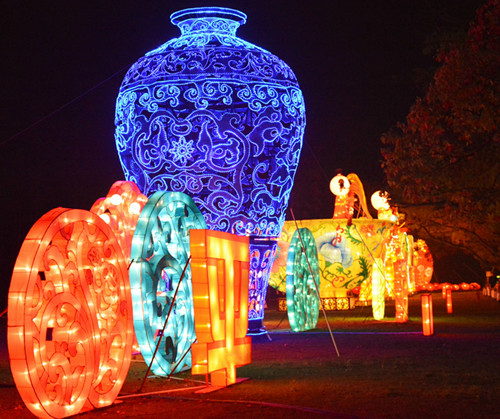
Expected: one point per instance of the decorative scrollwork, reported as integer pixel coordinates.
(120, 209)
(70, 315)
(160, 252)
(262, 254)
(302, 273)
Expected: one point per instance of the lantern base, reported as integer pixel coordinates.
(257, 330)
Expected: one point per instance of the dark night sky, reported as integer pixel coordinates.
(354, 61)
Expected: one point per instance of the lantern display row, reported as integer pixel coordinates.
(375, 258)
(73, 303)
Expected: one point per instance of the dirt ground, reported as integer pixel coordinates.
(385, 370)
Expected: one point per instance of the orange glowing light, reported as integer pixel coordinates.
(219, 266)
(449, 303)
(69, 315)
(423, 263)
(427, 315)
(120, 209)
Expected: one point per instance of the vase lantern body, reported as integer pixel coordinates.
(217, 118)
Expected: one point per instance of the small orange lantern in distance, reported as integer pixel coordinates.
(219, 267)
(449, 303)
(427, 315)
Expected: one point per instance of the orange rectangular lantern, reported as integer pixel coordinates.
(449, 304)
(427, 315)
(400, 292)
(219, 267)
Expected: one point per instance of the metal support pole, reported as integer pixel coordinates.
(165, 325)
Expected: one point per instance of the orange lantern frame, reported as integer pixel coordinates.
(220, 268)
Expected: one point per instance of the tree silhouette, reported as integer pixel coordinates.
(443, 163)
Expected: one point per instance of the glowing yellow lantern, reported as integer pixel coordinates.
(70, 315)
(389, 272)
(378, 289)
(401, 277)
(345, 253)
(219, 266)
(427, 315)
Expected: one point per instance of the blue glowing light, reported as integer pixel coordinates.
(217, 118)
(221, 120)
(262, 254)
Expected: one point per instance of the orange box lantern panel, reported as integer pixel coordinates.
(220, 267)
(449, 302)
(427, 315)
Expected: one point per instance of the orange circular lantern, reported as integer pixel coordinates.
(69, 315)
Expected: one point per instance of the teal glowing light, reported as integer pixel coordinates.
(302, 281)
(160, 251)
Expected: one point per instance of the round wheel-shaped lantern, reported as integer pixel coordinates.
(160, 253)
(70, 315)
(302, 281)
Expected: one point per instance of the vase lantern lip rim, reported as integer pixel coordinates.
(208, 12)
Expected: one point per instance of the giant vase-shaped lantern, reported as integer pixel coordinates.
(222, 120)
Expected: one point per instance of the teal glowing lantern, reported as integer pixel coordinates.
(160, 253)
(221, 120)
(302, 281)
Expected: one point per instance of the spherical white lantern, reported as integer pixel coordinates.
(380, 200)
(339, 185)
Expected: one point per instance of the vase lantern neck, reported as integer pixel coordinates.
(208, 19)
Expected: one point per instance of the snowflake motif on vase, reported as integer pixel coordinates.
(217, 118)
(182, 151)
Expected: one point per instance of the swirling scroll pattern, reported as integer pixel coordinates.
(217, 157)
(217, 118)
(262, 254)
(160, 251)
(120, 209)
(70, 315)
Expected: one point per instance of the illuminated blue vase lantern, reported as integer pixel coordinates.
(221, 120)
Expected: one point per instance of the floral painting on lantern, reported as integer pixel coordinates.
(345, 252)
